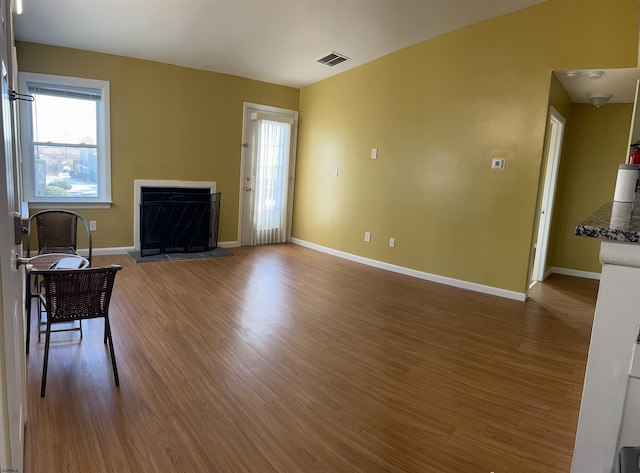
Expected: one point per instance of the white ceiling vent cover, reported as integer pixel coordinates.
(333, 59)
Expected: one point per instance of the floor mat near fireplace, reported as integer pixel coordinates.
(215, 253)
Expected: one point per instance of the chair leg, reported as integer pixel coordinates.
(39, 318)
(113, 355)
(30, 295)
(28, 310)
(45, 363)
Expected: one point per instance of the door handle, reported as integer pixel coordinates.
(25, 261)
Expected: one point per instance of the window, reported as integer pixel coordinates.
(65, 140)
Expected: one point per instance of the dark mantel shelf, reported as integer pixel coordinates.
(617, 221)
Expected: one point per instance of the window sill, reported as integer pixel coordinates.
(70, 205)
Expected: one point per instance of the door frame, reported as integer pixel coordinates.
(244, 155)
(553, 145)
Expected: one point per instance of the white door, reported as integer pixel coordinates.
(556, 132)
(12, 394)
(268, 163)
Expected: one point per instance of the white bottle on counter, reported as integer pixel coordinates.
(626, 183)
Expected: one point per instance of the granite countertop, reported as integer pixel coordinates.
(619, 221)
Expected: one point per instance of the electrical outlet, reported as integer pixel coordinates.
(92, 225)
(392, 242)
(367, 236)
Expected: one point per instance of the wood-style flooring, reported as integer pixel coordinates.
(283, 359)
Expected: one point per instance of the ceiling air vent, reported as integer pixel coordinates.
(332, 59)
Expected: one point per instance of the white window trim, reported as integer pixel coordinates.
(103, 200)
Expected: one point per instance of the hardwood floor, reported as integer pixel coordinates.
(282, 359)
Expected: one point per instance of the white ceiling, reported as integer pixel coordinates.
(620, 83)
(276, 41)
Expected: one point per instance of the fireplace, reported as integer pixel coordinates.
(176, 217)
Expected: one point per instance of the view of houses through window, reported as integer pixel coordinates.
(64, 146)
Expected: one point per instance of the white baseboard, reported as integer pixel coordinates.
(575, 272)
(105, 251)
(494, 291)
(111, 251)
(228, 244)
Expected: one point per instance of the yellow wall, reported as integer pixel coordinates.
(438, 112)
(561, 101)
(595, 143)
(167, 122)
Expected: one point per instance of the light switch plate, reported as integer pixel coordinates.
(497, 163)
(374, 153)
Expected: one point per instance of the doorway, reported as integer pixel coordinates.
(267, 177)
(555, 133)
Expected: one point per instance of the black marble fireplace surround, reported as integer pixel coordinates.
(178, 220)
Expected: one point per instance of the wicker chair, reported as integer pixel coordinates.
(77, 294)
(57, 232)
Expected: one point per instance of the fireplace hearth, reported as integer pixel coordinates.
(178, 220)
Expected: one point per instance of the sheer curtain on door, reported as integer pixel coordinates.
(271, 182)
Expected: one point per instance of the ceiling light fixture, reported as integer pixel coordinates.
(595, 74)
(573, 74)
(598, 100)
